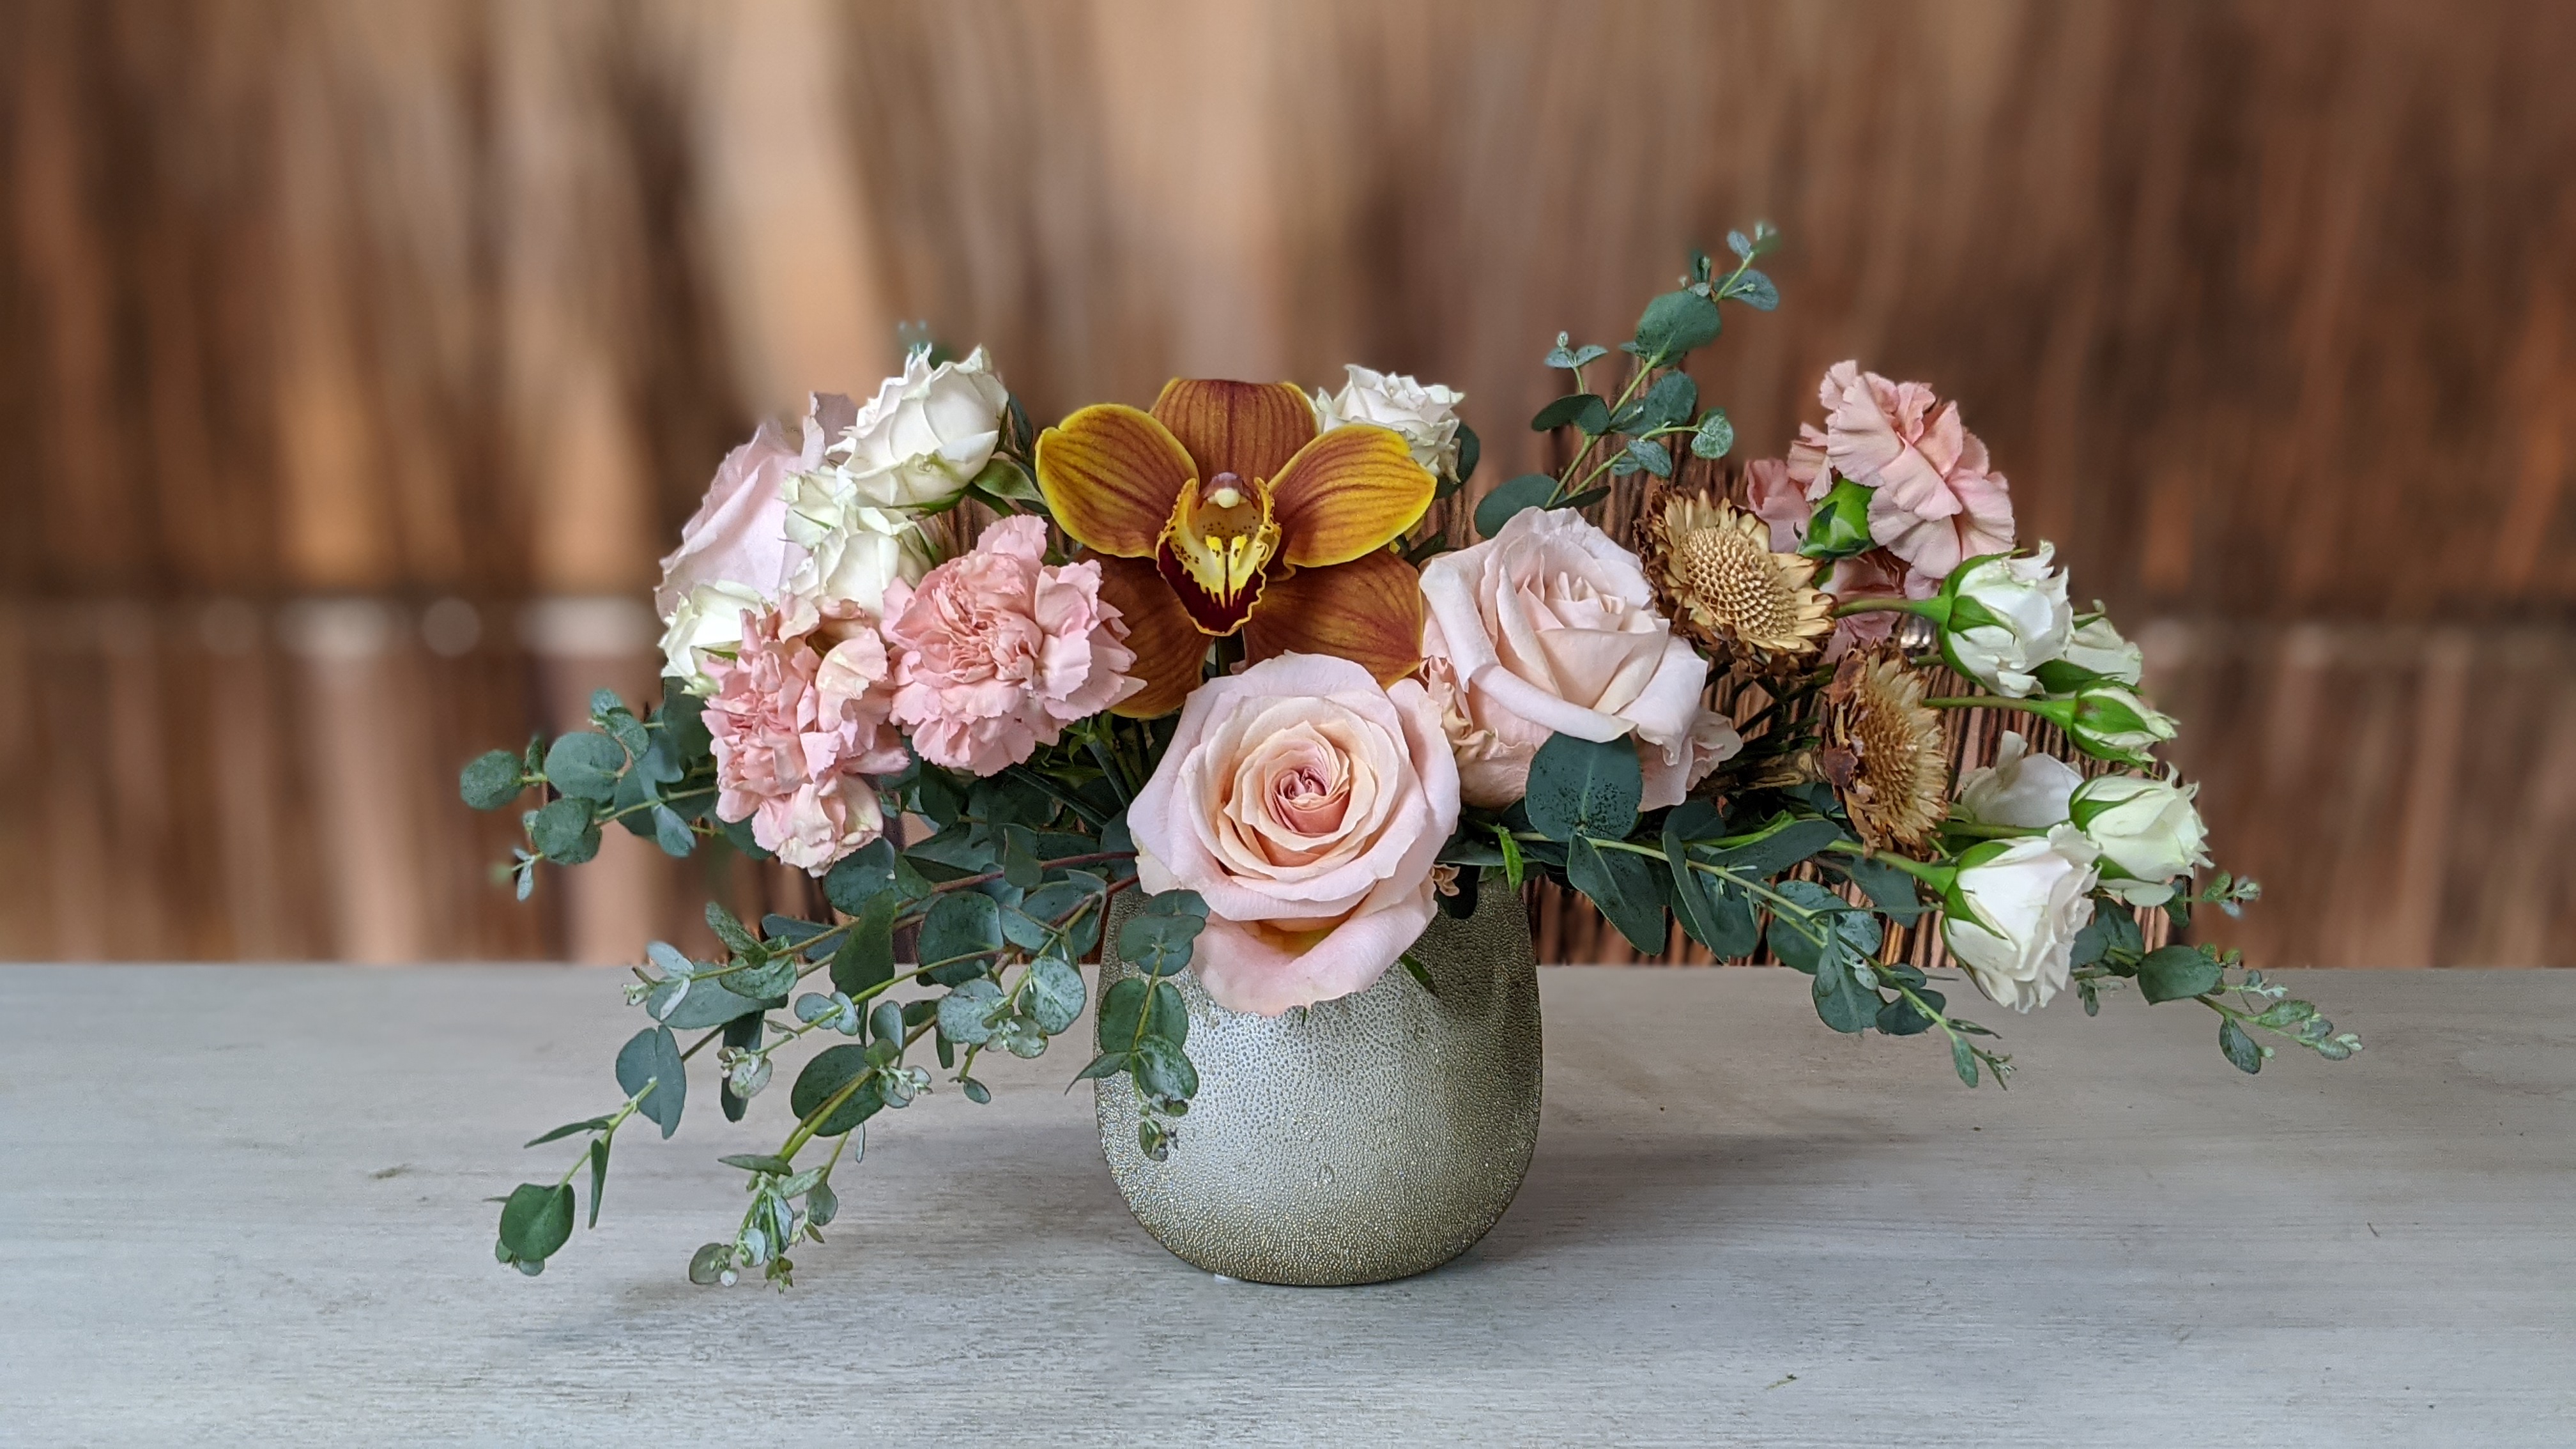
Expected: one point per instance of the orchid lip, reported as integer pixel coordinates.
(1216, 547)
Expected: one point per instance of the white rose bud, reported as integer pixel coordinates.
(2147, 830)
(2013, 911)
(2110, 722)
(852, 550)
(2019, 789)
(706, 618)
(2006, 616)
(925, 435)
(1426, 417)
(2094, 651)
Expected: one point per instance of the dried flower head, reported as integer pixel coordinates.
(1883, 750)
(1714, 570)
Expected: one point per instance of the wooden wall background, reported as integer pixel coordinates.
(356, 361)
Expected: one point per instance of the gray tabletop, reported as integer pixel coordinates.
(245, 1206)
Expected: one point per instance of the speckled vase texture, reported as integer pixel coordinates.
(1352, 1141)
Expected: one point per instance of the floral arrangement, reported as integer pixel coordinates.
(1209, 654)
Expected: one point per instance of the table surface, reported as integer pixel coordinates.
(246, 1205)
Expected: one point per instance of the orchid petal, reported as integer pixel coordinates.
(1350, 491)
(1167, 643)
(1368, 611)
(1249, 429)
(1110, 475)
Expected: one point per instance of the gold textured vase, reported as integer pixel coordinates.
(1352, 1141)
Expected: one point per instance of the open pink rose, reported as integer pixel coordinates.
(1304, 804)
(1936, 500)
(739, 533)
(1549, 627)
(998, 652)
(798, 722)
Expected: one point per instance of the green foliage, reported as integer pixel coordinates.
(1530, 490)
(1584, 787)
(1624, 885)
(1582, 410)
(961, 929)
(586, 766)
(651, 1059)
(1053, 994)
(2177, 973)
(2238, 1048)
(1715, 436)
(857, 879)
(535, 1222)
(1780, 844)
(563, 832)
(1159, 939)
(831, 1070)
(491, 780)
(1673, 324)
(1839, 528)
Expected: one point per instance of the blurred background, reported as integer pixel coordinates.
(358, 360)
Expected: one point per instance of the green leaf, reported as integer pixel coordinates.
(830, 1071)
(1420, 974)
(866, 958)
(1581, 409)
(2238, 1048)
(1471, 450)
(586, 766)
(536, 1221)
(1019, 863)
(1845, 1000)
(1530, 490)
(1889, 889)
(822, 1204)
(967, 1014)
(736, 936)
(1839, 527)
(708, 1264)
(1584, 787)
(1163, 1069)
(1963, 1060)
(1780, 849)
(653, 1055)
(2175, 973)
(672, 833)
(742, 1032)
(587, 1124)
(1670, 402)
(1717, 916)
(1159, 945)
(1623, 885)
(1715, 437)
(1122, 1012)
(1169, 1016)
(1673, 324)
(963, 924)
(1790, 942)
(1651, 456)
(1899, 1017)
(760, 1162)
(1054, 993)
(563, 832)
(860, 877)
(890, 1019)
(490, 781)
(1107, 1064)
(696, 1005)
(2279, 1016)
(598, 1175)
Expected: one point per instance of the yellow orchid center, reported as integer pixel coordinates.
(1220, 540)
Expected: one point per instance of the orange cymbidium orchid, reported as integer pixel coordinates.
(1223, 510)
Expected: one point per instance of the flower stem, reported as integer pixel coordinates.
(1920, 608)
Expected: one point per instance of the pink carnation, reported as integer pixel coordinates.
(1779, 499)
(996, 652)
(1936, 499)
(798, 722)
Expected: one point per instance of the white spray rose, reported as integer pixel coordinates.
(707, 617)
(2110, 722)
(1426, 417)
(2019, 789)
(2006, 617)
(852, 551)
(2147, 830)
(2013, 911)
(2097, 649)
(925, 435)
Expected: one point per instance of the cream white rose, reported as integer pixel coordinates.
(2013, 912)
(1305, 805)
(1425, 416)
(851, 550)
(706, 619)
(2007, 616)
(735, 552)
(2148, 831)
(925, 435)
(2019, 789)
(1549, 627)
(2109, 721)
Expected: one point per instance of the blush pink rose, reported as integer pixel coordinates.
(1936, 500)
(1304, 804)
(996, 651)
(739, 533)
(798, 723)
(1549, 627)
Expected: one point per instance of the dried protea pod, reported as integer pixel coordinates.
(1883, 750)
(1715, 574)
